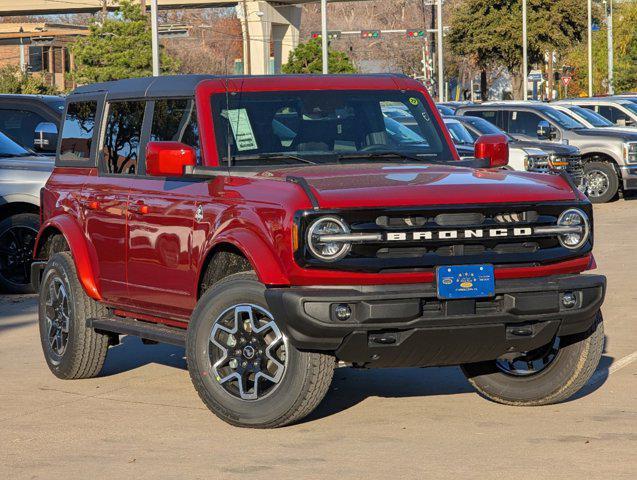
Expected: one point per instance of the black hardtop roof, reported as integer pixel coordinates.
(165, 85)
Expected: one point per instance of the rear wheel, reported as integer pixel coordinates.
(547, 375)
(242, 365)
(71, 349)
(602, 182)
(17, 239)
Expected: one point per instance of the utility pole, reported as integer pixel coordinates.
(155, 36)
(441, 73)
(611, 65)
(525, 56)
(142, 6)
(324, 39)
(590, 48)
(248, 60)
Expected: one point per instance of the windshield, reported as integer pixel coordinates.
(594, 118)
(326, 127)
(562, 119)
(630, 106)
(8, 148)
(459, 134)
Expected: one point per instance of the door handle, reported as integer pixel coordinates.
(140, 208)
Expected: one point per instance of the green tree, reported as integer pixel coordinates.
(14, 80)
(489, 32)
(307, 58)
(119, 47)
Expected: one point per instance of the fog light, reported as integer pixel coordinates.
(569, 300)
(342, 312)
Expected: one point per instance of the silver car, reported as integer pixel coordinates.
(22, 175)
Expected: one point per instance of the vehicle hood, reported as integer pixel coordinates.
(32, 163)
(548, 147)
(607, 133)
(391, 185)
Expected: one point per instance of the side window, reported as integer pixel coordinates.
(488, 115)
(77, 132)
(618, 115)
(523, 123)
(175, 120)
(120, 149)
(606, 112)
(19, 125)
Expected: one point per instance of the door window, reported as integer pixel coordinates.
(77, 132)
(19, 125)
(489, 115)
(175, 120)
(523, 123)
(120, 148)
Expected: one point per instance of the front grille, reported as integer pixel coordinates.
(571, 164)
(419, 239)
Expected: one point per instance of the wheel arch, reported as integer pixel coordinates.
(84, 257)
(9, 207)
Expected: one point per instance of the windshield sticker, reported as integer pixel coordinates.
(414, 101)
(425, 116)
(242, 130)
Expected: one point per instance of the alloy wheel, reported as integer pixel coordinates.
(524, 364)
(247, 352)
(597, 183)
(58, 316)
(16, 252)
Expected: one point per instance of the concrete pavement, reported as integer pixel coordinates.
(142, 418)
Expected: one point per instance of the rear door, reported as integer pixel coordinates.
(105, 194)
(162, 212)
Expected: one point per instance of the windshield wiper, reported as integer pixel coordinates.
(389, 154)
(271, 156)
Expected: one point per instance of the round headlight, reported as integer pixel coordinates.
(574, 218)
(328, 251)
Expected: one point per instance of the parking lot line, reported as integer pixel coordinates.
(618, 365)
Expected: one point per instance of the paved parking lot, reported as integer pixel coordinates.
(143, 419)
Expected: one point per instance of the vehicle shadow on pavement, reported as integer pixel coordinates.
(131, 353)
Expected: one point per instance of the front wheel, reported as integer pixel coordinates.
(547, 375)
(602, 182)
(242, 365)
(17, 239)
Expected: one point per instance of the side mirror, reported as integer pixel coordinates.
(494, 148)
(45, 137)
(545, 130)
(168, 159)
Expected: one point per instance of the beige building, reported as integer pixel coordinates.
(40, 49)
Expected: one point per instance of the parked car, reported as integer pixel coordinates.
(589, 118)
(619, 111)
(609, 156)
(445, 110)
(32, 120)
(532, 156)
(270, 260)
(22, 175)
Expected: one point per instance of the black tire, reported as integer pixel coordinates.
(306, 379)
(572, 367)
(85, 349)
(17, 239)
(606, 172)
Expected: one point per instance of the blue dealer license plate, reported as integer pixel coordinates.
(465, 281)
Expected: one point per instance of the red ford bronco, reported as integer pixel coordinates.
(277, 225)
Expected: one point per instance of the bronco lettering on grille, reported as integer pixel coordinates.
(458, 234)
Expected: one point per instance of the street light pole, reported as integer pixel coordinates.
(441, 73)
(154, 36)
(525, 57)
(590, 48)
(324, 39)
(611, 65)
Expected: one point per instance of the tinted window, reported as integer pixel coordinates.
(121, 138)
(606, 112)
(482, 126)
(20, 125)
(175, 121)
(77, 134)
(489, 115)
(594, 118)
(523, 123)
(8, 148)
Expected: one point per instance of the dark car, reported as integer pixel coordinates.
(180, 210)
(32, 120)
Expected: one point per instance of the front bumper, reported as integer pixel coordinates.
(407, 325)
(629, 176)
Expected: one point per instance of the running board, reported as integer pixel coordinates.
(146, 330)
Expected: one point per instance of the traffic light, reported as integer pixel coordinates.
(331, 35)
(370, 34)
(415, 33)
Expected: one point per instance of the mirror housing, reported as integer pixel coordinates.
(45, 137)
(494, 149)
(168, 159)
(545, 131)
